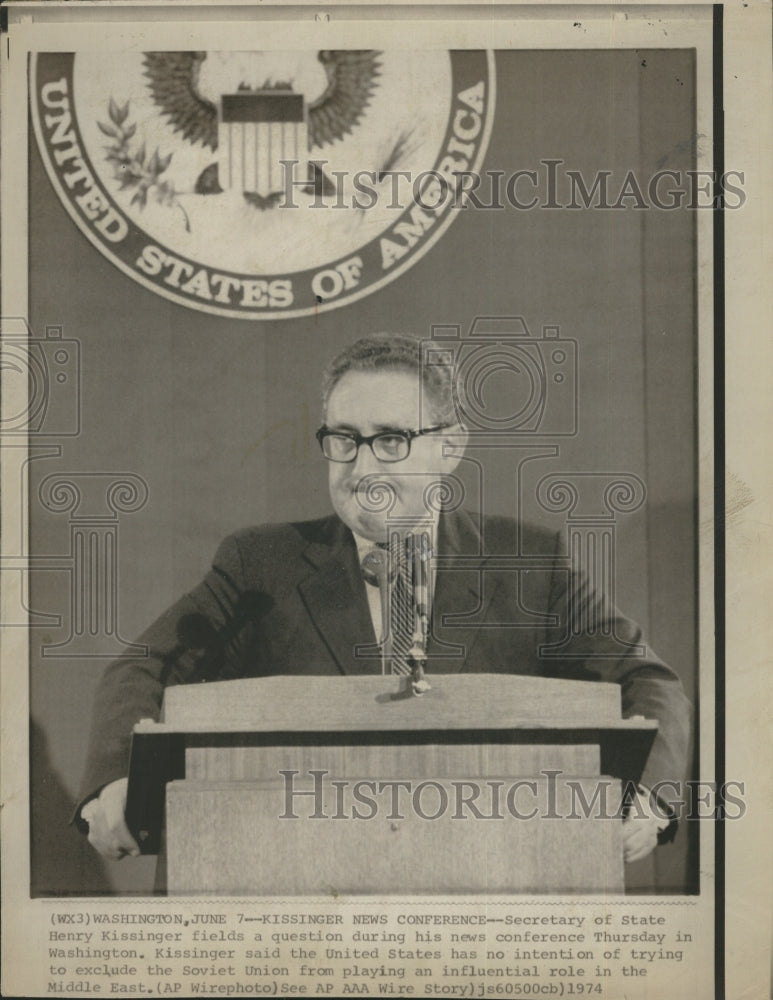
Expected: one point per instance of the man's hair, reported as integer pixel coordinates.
(397, 352)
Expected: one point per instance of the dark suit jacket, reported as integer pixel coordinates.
(290, 599)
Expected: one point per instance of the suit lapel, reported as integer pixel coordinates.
(460, 594)
(334, 595)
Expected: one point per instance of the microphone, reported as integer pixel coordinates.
(375, 567)
(378, 572)
(420, 555)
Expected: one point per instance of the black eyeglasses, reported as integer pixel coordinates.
(387, 446)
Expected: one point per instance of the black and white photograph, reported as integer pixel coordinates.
(363, 437)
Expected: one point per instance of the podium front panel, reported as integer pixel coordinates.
(242, 838)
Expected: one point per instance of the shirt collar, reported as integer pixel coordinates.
(365, 545)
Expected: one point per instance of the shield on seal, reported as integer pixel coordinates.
(257, 130)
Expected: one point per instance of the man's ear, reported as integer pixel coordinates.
(454, 443)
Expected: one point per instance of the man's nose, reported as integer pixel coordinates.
(365, 463)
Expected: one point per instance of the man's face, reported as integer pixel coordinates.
(368, 403)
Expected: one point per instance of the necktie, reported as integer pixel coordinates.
(401, 607)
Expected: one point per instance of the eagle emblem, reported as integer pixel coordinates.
(232, 105)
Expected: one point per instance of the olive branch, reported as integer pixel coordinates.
(134, 168)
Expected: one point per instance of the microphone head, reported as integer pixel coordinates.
(375, 567)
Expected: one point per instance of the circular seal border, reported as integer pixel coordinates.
(251, 315)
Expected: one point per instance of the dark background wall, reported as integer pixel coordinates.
(217, 415)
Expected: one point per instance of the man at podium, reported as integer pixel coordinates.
(398, 580)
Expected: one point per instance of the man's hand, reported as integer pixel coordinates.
(641, 827)
(108, 832)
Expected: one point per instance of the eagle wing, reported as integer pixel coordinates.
(351, 79)
(173, 80)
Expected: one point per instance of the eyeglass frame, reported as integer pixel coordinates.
(360, 439)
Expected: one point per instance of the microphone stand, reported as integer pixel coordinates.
(422, 600)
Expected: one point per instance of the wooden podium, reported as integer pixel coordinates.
(351, 785)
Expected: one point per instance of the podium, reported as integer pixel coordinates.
(305, 785)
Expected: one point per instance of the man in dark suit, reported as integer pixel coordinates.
(301, 598)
